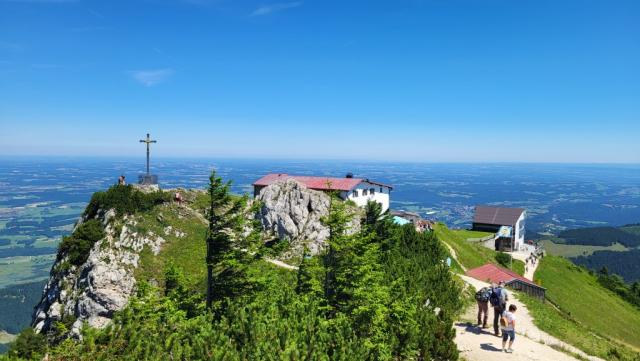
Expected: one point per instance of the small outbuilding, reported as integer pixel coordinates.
(507, 223)
(492, 273)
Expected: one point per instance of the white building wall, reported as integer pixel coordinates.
(381, 194)
(519, 230)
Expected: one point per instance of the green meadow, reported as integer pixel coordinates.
(575, 250)
(471, 254)
(581, 312)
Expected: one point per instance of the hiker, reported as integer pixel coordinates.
(121, 181)
(482, 298)
(178, 198)
(508, 323)
(498, 300)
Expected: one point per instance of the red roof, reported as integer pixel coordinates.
(318, 183)
(492, 273)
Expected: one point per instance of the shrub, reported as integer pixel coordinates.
(503, 259)
(78, 245)
(125, 200)
(28, 344)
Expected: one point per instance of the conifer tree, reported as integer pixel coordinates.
(226, 276)
(310, 277)
(336, 221)
(355, 281)
(378, 222)
(372, 213)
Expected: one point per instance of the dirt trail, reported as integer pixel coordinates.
(281, 264)
(531, 343)
(530, 269)
(454, 255)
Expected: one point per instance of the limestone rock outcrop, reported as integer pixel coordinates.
(292, 211)
(93, 291)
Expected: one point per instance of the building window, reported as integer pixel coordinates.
(381, 190)
(364, 192)
(371, 191)
(355, 192)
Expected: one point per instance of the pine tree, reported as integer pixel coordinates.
(226, 275)
(337, 221)
(310, 277)
(378, 222)
(355, 282)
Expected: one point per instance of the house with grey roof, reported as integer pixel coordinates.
(507, 223)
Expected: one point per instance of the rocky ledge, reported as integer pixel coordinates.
(93, 291)
(293, 212)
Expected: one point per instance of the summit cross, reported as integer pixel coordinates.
(148, 141)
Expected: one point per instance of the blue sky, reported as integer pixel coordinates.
(433, 81)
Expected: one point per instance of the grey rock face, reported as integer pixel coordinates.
(292, 211)
(102, 285)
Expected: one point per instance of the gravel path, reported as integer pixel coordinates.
(476, 344)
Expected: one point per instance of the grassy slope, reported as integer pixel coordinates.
(189, 252)
(586, 321)
(588, 316)
(471, 255)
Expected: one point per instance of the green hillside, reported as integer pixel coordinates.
(613, 247)
(598, 321)
(585, 314)
(471, 254)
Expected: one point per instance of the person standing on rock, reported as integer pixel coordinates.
(509, 328)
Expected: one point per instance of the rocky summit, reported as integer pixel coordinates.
(93, 291)
(292, 211)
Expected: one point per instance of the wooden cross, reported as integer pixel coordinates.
(148, 141)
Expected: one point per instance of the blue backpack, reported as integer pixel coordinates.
(495, 297)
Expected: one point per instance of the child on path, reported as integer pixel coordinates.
(508, 323)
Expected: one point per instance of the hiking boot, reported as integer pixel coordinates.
(509, 350)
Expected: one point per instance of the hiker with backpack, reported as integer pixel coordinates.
(482, 298)
(498, 300)
(508, 323)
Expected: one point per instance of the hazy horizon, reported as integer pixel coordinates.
(141, 158)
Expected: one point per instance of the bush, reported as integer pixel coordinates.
(78, 245)
(503, 259)
(28, 345)
(125, 200)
